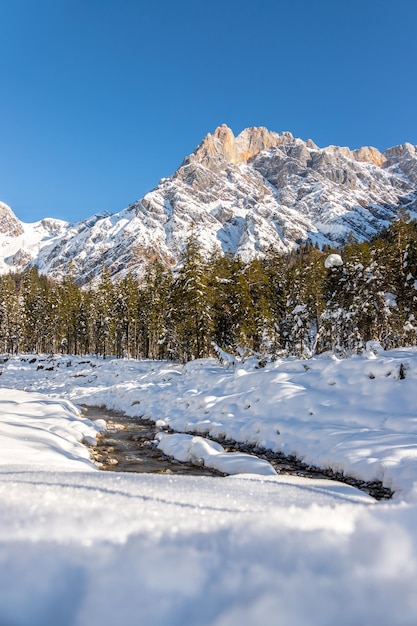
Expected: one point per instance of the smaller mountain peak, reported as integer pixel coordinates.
(219, 145)
(4, 208)
(338, 151)
(223, 132)
(253, 140)
(368, 154)
(9, 223)
(403, 150)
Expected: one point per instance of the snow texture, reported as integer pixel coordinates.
(80, 546)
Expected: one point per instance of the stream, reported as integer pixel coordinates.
(127, 445)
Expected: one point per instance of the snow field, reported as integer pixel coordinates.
(80, 546)
(354, 415)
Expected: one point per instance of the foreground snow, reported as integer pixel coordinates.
(80, 546)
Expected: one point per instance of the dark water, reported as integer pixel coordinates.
(127, 446)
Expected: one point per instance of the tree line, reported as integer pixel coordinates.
(278, 305)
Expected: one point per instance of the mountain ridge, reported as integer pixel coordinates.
(241, 194)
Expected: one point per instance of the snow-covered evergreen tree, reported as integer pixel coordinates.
(11, 315)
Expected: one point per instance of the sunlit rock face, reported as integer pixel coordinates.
(239, 194)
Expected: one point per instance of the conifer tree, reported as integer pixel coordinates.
(128, 302)
(70, 305)
(190, 320)
(296, 323)
(261, 331)
(37, 312)
(275, 267)
(304, 289)
(155, 314)
(11, 314)
(401, 268)
(233, 319)
(220, 272)
(101, 309)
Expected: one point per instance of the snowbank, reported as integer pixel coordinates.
(200, 451)
(38, 431)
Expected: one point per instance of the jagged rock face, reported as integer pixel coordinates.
(367, 154)
(264, 189)
(224, 146)
(403, 159)
(242, 195)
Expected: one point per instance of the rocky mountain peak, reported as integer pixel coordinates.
(219, 145)
(223, 145)
(9, 224)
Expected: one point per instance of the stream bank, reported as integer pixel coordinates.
(127, 445)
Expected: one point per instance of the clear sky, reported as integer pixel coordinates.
(102, 98)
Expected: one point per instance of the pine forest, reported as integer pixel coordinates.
(299, 304)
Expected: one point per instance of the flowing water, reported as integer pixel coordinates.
(127, 445)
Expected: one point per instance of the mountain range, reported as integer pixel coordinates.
(240, 194)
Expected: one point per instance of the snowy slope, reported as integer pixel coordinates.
(21, 243)
(242, 195)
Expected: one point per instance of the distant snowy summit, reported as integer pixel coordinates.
(21, 243)
(240, 194)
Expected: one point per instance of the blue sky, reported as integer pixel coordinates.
(102, 98)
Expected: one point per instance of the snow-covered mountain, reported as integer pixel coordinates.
(21, 243)
(241, 194)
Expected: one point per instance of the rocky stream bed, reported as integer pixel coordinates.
(127, 445)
